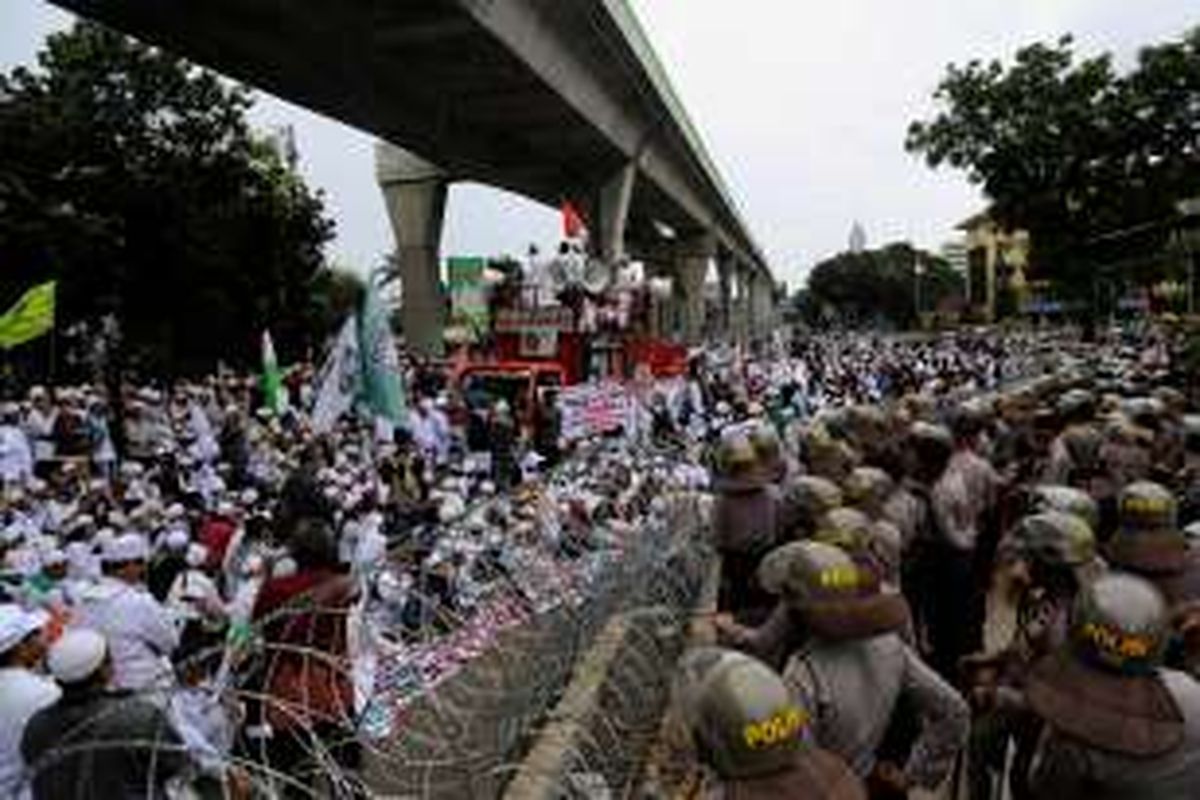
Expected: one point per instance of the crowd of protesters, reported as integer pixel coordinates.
(870, 495)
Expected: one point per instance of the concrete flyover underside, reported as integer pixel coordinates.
(547, 98)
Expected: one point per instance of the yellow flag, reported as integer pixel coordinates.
(30, 317)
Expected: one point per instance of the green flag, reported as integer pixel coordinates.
(382, 385)
(272, 379)
(30, 317)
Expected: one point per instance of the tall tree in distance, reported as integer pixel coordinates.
(880, 288)
(1089, 161)
(133, 178)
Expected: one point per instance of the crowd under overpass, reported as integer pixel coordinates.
(552, 99)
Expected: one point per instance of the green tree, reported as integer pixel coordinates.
(133, 177)
(879, 287)
(1090, 162)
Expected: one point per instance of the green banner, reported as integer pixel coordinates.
(468, 293)
(30, 317)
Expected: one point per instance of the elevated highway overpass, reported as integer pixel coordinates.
(553, 99)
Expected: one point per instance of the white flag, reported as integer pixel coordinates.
(338, 381)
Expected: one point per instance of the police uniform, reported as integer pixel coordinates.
(1119, 725)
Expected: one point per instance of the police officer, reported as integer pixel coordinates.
(1075, 453)
(1119, 724)
(744, 525)
(804, 502)
(752, 735)
(1069, 500)
(1148, 542)
(1057, 553)
(768, 451)
(852, 668)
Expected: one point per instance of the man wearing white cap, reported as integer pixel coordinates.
(22, 691)
(16, 456)
(93, 742)
(140, 630)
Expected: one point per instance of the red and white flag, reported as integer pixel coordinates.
(573, 225)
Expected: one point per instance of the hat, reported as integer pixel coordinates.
(126, 547)
(77, 655)
(837, 598)
(751, 731)
(197, 555)
(16, 624)
(1147, 539)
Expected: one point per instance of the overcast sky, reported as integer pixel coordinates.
(803, 106)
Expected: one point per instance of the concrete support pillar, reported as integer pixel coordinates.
(760, 305)
(725, 270)
(612, 210)
(415, 194)
(691, 268)
(662, 316)
(741, 312)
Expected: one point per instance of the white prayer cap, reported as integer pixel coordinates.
(451, 508)
(284, 568)
(81, 558)
(175, 511)
(77, 655)
(54, 558)
(226, 508)
(176, 539)
(249, 497)
(197, 555)
(16, 623)
(126, 547)
(25, 561)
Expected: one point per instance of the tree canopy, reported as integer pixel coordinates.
(1089, 161)
(134, 178)
(879, 287)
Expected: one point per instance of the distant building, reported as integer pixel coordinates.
(858, 238)
(955, 254)
(997, 259)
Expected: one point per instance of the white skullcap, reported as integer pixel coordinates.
(11, 534)
(249, 497)
(16, 623)
(284, 568)
(25, 562)
(76, 655)
(126, 547)
(175, 511)
(176, 539)
(54, 558)
(197, 555)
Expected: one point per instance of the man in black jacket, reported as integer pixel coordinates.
(96, 743)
